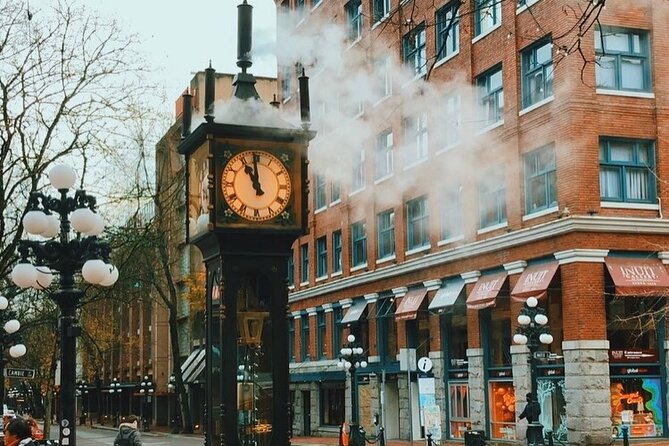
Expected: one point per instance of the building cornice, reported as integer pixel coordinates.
(557, 228)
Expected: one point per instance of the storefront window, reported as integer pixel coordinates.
(332, 404)
(638, 403)
(553, 408)
(498, 333)
(386, 329)
(458, 408)
(456, 337)
(502, 410)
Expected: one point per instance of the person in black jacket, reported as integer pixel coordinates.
(128, 435)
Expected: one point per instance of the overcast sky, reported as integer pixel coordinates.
(180, 37)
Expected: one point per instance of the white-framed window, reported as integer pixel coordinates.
(492, 199)
(358, 243)
(627, 170)
(414, 50)
(385, 223)
(384, 154)
(487, 15)
(321, 257)
(491, 95)
(336, 251)
(623, 59)
(319, 192)
(304, 265)
(540, 179)
(452, 119)
(415, 138)
(418, 218)
(451, 213)
(448, 30)
(286, 82)
(358, 170)
(380, 9)
(354, 19)
(537, 72)
(383, 77)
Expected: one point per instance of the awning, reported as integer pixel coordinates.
(447, 294)
(408, 308)
(534, 281)
(485, 291)
(354, 313)
(638, 277)
(193, 365)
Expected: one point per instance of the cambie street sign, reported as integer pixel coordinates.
(20, 373)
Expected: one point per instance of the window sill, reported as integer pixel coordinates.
(336, 274)
(416, 78)
(357, 191)
(536, 105)
(336, 202)
(541, 213)
(359, 267)
(291, 287)
(526, 6)
(383, 178)
(287, 98)
(321, 278)
(417, 250)
(487, 229)
(490, 127)
(380, 21)
(625, 205)
(415, 163)
(385, 259)
(313, 8)
(304, 284)
(354, 43)
(481, 36)
(320, 209)
(446, 241)
(631, 94)
(446, 59)
(380, 101)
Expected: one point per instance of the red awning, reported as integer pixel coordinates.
(408, 308)
(638, 277)
(534, 281)
(485, 291)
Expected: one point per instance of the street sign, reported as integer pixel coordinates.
(542, 355)
(20, 373)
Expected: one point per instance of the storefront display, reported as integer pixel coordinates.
(637, 402)
(458, 409)
(502, 410)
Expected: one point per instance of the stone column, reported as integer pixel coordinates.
(477, 399)
(522, 383)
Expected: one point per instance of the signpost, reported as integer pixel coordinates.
(20, 373)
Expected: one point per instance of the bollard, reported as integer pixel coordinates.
(429, 439)
(382, 437)
(625, 431)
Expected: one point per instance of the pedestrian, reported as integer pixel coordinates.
(18, 433)
(128, 435)
(531, 412)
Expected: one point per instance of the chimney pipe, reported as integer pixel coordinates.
(274, 103)
(187, 114)
(305, 112)
(209, 93)
(244, 35)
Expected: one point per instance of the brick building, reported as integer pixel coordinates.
(466, 149)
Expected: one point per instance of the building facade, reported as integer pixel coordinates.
(472, 154)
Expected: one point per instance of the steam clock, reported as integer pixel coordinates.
(246, 197)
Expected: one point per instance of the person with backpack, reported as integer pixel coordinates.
(128, 435)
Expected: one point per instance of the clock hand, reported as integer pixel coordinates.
(256, 182)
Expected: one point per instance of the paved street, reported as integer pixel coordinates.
(93, 437)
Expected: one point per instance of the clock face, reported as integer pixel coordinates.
(256, 185)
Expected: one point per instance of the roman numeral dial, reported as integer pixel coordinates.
(256, 185)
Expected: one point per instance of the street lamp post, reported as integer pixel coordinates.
(351, 358)
(171, 410)
(533, 331)
(146, 388)
(10, 339)
(115, 391)
(69, 228)
(82, 387)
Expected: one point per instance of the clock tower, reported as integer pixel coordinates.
(246, 195)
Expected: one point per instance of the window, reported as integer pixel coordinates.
(321, 257)
(384, 79)
(354, 19)
(291, 338)
(415, 138)
(336, 251)
(358, 243)
(304, 258)
(448, 30)
(386, 327)
(417, 223)
(380, 9)
(451, 213)
(335, 192)
(321, 348)
(286, 84)
(332, 403)
(622, 59)
(627, 170)
(415, 56)
(338, 328)
(540, 180)
(491, 95)
(537, 72)
(458, 404)
(315, 3)
(290, 279)
(386, 234)
(488, 15)
(300, 9)
(320, 191)
(304, 338)
(384, 154)
(522, 3)
(452, 120)
(359, 170)
(492, 198)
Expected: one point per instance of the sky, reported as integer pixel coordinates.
(181, 37)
